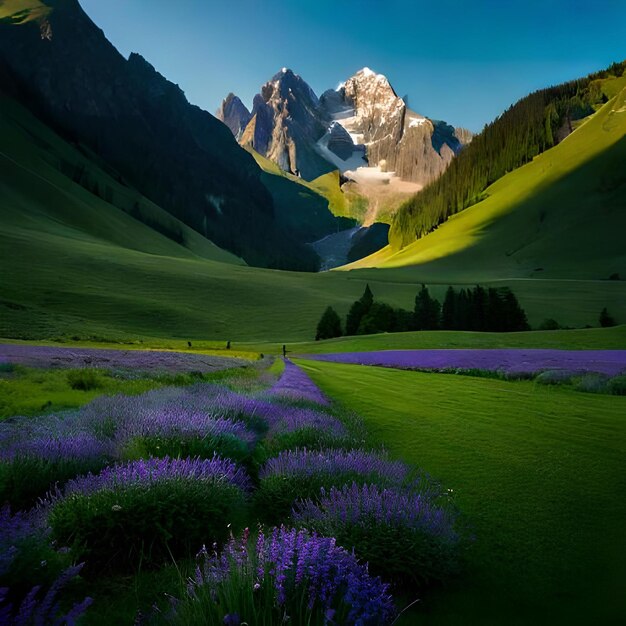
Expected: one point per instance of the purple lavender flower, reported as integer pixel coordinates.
(142, 360)
(336, 463)
(370, 504)
(145, 472)
(291, 419)
(296, 385)
(610, 362)
(306, 574)
(403, 536)
(60, 447)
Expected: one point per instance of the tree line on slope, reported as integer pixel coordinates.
(477, 309)
(528, 128)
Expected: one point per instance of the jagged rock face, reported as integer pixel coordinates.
(286, 123)
(396, 138)
(361, 123)
(234, 113)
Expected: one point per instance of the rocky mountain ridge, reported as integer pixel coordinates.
(362, 125)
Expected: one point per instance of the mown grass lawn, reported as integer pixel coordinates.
(540, 474)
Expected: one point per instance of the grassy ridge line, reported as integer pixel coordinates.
(553, 207)
(539, 472)
(580, 339)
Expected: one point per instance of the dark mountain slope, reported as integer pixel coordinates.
(141, 125)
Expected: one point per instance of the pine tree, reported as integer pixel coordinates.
(422, 307)
(329, 325)
(427, 311)
(606, 320)
(448, 313)
(360, 308)
(379, 319)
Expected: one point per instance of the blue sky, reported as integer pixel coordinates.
(464, 62)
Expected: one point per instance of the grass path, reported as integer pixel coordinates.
(539, 472)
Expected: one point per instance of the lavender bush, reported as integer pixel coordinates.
(300, 474)
(404, 537)
(285, 576)
(610, 362)
(148, 510)
(30, 466)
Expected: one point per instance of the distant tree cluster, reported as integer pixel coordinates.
(478, 309)
(526, 129)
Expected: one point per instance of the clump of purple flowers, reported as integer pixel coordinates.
(301, 473)
(146, 472)
(404, 536)
(294, 384)
(511, 361)
(142, 360)
(35, 457)
(284, 575)
(336, 463)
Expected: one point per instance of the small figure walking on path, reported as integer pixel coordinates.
(284, 351)
(228, 345)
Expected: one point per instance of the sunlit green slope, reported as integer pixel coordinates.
(561, 216)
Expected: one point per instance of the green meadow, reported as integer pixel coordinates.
(539, 474)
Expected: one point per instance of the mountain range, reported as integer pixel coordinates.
(362, 129)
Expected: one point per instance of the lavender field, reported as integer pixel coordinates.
(138, 360)
(513, 361)
(268, 498)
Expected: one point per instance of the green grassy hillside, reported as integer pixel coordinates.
(342, 202)
(540, 474)
(561, 216)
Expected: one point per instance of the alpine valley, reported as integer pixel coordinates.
(375, 361)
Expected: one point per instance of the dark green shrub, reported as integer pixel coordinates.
(405, 538)
(227, 446)
(549, 324)
(617, 385)
(25, 479)
(85, 379)
(147, 512)
(592, 383)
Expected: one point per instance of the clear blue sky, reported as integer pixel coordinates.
(457, 60)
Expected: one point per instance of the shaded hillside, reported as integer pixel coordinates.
(536, 123)
(142, 126)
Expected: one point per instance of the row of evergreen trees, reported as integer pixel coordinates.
(477, 309)
(526, 129)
